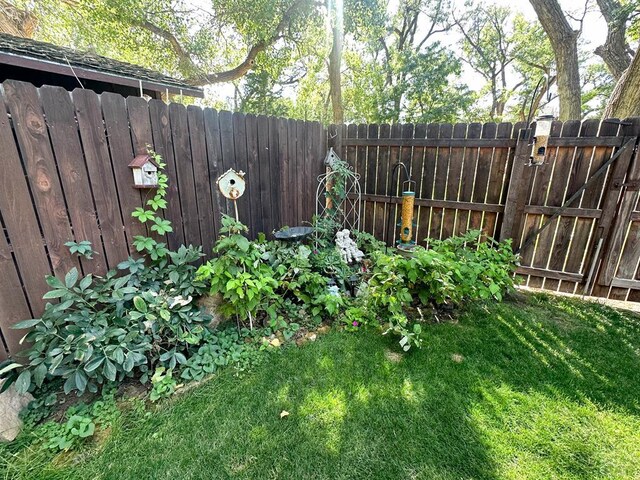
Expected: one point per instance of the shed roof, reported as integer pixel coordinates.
(46, 57)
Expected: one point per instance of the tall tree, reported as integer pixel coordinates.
(398, 71)
(625, 99)
(616, 51)
(564, 41)
(336, 15)
(16, 21)
(204, 46)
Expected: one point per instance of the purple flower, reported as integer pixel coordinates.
(355, 323)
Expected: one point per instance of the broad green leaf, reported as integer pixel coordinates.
(26, 324)
(23, 381)
(39, 374)
(109, 370)
(140, 304)
(81, 380)
(71, 277)
(8, 368)
(94, 363)
(58, 293)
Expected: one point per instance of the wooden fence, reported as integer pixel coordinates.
(64, 157)
(575, 219)
(65, 176)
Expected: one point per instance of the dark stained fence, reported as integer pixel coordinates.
(575, 219)
(65, 176)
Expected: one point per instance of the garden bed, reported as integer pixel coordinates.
(538, 387)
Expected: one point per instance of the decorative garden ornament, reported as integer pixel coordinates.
(232, 184)
(347, 248)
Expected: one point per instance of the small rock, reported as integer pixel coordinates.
(211, 305)
(301, 341)
(11, 402)
(323, 330)
(311, 336)
(275, 342)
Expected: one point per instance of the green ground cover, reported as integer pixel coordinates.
(536, 388)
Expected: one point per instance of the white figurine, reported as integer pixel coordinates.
(348, 249)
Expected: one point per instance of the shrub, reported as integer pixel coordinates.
(104, 329)
(238, 273)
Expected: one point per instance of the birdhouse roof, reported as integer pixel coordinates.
(141, 160)
(231, 172)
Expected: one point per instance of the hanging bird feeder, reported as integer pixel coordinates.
(405, 243)
(541, 139)
(232, 184)
(406, 219)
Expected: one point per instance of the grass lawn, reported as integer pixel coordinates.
(543, 388)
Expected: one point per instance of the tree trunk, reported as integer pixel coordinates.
(615, 51)
(564, 41)
(335, 61)
(16, 22)
(625, 98)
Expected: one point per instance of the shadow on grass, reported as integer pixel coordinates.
(539, 389)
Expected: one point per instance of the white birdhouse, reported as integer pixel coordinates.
(145, 172)
(231, 184)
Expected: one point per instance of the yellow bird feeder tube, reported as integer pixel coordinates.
(406, 220)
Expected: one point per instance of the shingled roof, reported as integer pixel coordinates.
(28, 53)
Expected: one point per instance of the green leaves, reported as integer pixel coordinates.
(143, 215)
(23, 381)
(140, 304)
(71, 278)
(26, 324)
(161, 226)
(82, 249)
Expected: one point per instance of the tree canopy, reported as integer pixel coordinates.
(361, 60)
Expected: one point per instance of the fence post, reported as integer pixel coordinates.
(518, 187)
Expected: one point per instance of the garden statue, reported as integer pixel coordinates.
(348, 249)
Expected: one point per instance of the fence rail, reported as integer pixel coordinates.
(65, 177)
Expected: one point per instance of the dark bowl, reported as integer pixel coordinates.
(293, 233)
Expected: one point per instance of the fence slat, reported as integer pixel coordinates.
(13, 304)
(116, 122)
(101, 176)
(163, 144)
(63, 131)
(242, 162)
(214, 158)
(19, 217)
(265, 187)
(197, 139)
(184, 168)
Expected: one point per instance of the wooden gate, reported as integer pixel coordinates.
(571, 217)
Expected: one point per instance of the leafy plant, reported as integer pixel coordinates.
(238, 273)
(83, 248)
(104, 329)
(164, 385)
(81, 421)
(156, 250)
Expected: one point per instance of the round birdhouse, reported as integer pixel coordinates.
(231, 184)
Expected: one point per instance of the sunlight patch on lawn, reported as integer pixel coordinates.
(551, 436)
(325, 413)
